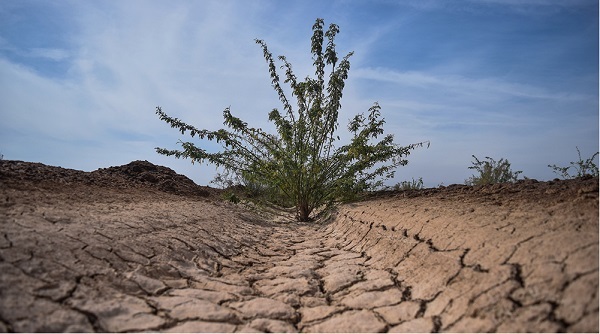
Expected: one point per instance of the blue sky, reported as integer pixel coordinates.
(514, 79)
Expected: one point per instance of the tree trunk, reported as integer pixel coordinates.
(303, 212)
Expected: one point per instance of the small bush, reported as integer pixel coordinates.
(587, 167)
(492, 171)
(409, 185)
(231, 197)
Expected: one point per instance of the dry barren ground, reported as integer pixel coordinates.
(140, 248)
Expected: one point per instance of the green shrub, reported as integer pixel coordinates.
(302, 162)
(409, 185)
(582, 167)
(231, 197)
(492, 171)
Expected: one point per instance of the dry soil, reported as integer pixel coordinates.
(141, 248)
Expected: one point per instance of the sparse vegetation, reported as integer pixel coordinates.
(409, 185)
(231, 197)
(302, 162)
(492, 171)
(582, 167)
(237, 185)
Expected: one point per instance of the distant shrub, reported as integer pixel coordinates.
(582, 167)
(242, 187)
(231, 197)
(409, 185)
(492, 171)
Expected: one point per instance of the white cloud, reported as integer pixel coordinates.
(464, 85)
(49, 53)
(40, 105)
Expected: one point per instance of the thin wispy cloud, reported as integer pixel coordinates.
(49, 53)
(462, 84)
(79, 81)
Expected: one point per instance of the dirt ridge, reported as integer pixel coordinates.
(135, 174)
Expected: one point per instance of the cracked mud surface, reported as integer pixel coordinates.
(140, 248)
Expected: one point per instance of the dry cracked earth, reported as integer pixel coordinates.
(140, 248)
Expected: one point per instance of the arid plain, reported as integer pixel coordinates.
(141, 248)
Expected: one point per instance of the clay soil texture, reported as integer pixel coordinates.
(141, 248)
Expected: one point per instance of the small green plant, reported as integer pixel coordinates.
(582, 167)
(231, 186)
(492, 171)
(409, 185)
(231, 197)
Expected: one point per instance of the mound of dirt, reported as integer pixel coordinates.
(136, 174)
(141, 248)
(163, 178)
